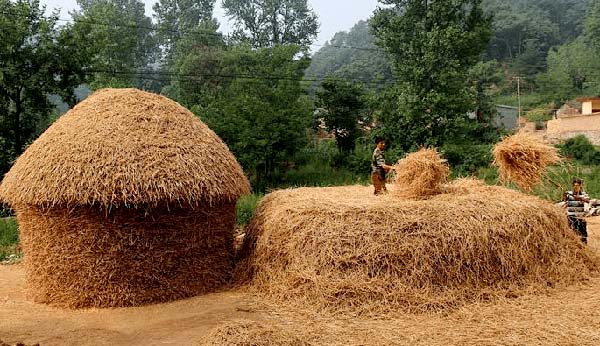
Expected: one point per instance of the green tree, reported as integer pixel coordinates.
(343, 107)
(260, 110)
(573, 70)
(37, 58)
(265, 23)
(433, 44)
(176, 18)
(592, 24)
(120, 37)
(198, 67)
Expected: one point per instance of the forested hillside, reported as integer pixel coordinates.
(420, 73)
(540, 41)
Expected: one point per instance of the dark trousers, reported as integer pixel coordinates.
(580, 227)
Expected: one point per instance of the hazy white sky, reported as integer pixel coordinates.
(334, 15)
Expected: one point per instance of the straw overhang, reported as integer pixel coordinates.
(125, 147)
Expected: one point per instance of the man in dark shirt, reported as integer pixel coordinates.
(378, 167)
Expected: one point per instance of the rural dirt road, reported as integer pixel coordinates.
(569, 316)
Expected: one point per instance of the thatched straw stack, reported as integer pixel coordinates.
(420, 174)
(523, 159)
(342, 250)
(250, 333)
(127, 199)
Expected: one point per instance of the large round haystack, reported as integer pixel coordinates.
(420, 174)
(127, 199)
(342, 250)
(522, 159)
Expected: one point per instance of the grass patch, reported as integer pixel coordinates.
(245, 207)
(9, 237)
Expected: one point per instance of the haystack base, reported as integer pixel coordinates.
(126, 257)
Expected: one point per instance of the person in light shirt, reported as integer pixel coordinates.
(379, 168)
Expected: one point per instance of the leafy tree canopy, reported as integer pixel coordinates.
(37, 58)
(433, 44)
(264, 23)
(176, 18)
(120, 37)
(343, 107)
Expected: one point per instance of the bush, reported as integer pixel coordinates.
(538, 116)
(581, 149)
(245, 207)
(465, 159)
(9, 236)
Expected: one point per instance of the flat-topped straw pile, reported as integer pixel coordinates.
(523, 159)
(342, 250)
(420, 174)
(125, 200)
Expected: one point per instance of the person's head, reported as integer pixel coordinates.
(380, 143)
(577, 185)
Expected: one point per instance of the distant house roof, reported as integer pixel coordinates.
(587, 99)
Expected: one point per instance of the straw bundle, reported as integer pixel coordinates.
(523, 159)
(125, 147)
(343, 250)
(127, 199)
(250, 333)
(420, 174)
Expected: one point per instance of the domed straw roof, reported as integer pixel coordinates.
(125, 147)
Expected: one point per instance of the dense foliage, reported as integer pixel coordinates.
(419, 72)
(433, 45)
(37, 58)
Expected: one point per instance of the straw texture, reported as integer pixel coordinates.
(342, 250)
(250, 333)
(86, 258)
(125, 147)
(420, 174)
(523, 159)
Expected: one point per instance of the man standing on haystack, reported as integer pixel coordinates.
(575, 203)
(378, 167)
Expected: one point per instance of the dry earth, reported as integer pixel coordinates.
(568, 316)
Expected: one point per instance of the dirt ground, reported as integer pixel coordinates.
(569, 316)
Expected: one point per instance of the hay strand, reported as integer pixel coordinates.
(523, 159)
(250, 333)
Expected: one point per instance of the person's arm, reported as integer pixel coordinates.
(583, 197)
(387, 167)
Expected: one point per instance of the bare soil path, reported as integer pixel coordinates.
(569, 316)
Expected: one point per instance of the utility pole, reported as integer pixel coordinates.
(518, 78)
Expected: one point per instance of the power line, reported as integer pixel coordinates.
(171, 76)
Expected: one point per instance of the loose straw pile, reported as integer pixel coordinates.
(343, 250)
(420, 174)
(523, 159)
(250, 333)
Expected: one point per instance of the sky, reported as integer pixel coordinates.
(334, 15)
